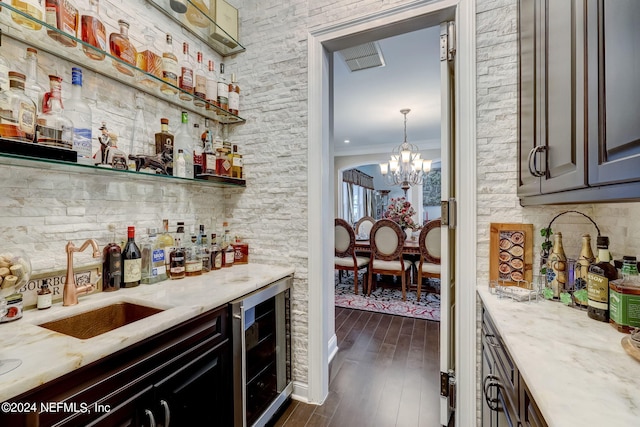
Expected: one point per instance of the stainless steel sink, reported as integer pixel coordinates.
(104, 319)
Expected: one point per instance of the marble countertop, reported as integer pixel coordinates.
(575, 367)
(47, 355)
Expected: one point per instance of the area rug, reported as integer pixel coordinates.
(388, 301)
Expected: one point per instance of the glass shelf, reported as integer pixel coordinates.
(226, 46)
(62, 166)
(42, 41)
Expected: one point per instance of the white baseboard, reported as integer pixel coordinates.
(300, 392)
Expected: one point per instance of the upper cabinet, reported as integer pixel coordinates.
(578, 135)
(614, 92)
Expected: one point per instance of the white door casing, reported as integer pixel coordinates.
(321, 43)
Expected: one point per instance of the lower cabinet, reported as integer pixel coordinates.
(506, 400)
(180, 377)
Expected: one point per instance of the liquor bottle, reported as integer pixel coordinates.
(205, 251)
(185, 78)
(212, 87)
(585, 259)
(153, 262)
(55, 128)
(93, 31)
(63, 15)
(111, 264)
(4, 69)
(17, 111)
(197, 150)
(228, 255)
(131, 261)
(164, 139)
(79, 112)
(165, 241)
(598, 278)
(183, 141)
(197, 13)
(170, 69)
(223, 89)
(234, 96)
(149, 62)
(31, 87)
(557, 265)
(218, 144)
(32, 8)
(44, 297)
(141, 133)
(200, 88)
(208, 155)
(177, 261)
(194, 258)
(216, 253)
(122, 48)
(236, 163)
(180, 166)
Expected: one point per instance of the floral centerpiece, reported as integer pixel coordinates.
(401, 211)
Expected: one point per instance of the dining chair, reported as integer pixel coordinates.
(345, 257)
(429, 264)
(387, 242)
(363, 226)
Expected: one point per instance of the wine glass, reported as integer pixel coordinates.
(7, 365)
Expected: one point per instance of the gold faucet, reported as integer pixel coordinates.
(70, 291)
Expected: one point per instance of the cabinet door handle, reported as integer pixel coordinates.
(533, 161)
(491, 381)
(167, 412)
(152, 420)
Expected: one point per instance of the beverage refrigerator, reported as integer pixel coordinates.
(261, 329)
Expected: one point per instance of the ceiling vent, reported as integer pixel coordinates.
(364, 56)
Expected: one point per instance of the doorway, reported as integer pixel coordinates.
(321, 43)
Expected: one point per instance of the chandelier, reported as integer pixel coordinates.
(405, 167)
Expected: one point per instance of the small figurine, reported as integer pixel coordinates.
(160, 162)
(110, 154)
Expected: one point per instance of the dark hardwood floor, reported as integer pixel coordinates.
(386, 373)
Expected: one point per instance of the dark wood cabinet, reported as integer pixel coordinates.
(551, 92)
(614, 93)
(578, 135)
(507, 401)
(182, 374)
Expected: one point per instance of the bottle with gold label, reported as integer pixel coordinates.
(32, 8)
(585, 259)
(598, 278)
(557, 267)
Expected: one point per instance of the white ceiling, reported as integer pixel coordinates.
(367, 103)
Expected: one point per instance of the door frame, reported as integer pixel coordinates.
(322, 41)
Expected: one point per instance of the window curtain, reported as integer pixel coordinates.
(347, 202)
(358, 195)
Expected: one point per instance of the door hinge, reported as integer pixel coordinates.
(448, 212)
(448, 387)
(448, 42)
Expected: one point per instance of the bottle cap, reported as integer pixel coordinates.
(602, 242)
(629, 258)
(164, 121)
(123, 22)
(16, 74)
(152, 231)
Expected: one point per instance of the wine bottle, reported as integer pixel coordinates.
(598, 279)
(132, 261)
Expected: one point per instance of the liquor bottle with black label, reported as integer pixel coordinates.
(598, 278)
(131, 261)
